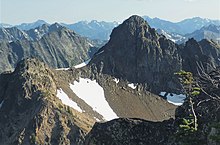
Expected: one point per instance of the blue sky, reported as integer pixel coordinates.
(71, 11)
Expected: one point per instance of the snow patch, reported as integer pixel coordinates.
(91, 45)
(62, 68)
(77, 66)
(173, 40)
(67, 101)
(116, 80)
(97, 119)
(93, 94)
(175, 99)
(82, 64)
(100, 52)
(1, 104)
(132, 86)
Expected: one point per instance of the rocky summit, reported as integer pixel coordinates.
(136, 52)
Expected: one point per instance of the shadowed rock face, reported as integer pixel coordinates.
(138, 54)
(203, 55)
(30, 111)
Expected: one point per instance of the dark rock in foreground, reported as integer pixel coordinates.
(125, 131)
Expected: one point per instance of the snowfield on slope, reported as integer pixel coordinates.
(132, 86)
(175, 99)
(63, 68)
(93, 94)
(76, 66)
(82, 64)
(67, 101)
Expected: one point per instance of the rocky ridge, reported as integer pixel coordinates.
(32, 114)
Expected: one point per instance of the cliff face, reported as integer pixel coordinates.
(138, 54)
(31, 112)
(200, 56)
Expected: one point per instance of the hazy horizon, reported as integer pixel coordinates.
(71, 11)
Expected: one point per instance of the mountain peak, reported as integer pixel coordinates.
(136, 52)
(136, 20)
(41, 21)
(56, 26)
(134, 26)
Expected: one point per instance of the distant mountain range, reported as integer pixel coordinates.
(210, 32)
(183, 27)
(5, 25)
(101, 30)
(28, 26)
(54, 44)
(93, 29)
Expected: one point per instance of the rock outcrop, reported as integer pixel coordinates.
(200, 56)
(130, 132)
